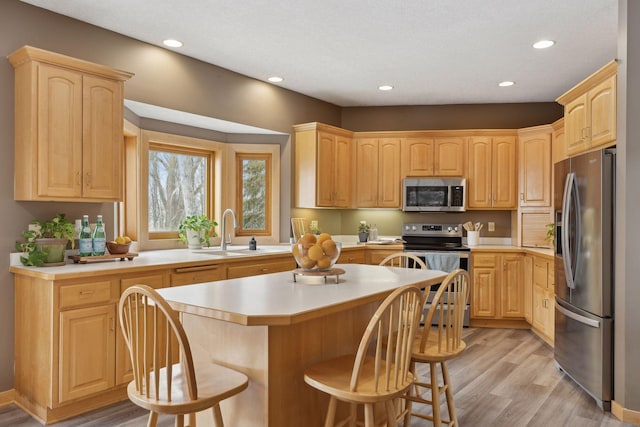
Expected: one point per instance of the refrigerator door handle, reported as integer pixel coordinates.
(577, 317)
(566, 202)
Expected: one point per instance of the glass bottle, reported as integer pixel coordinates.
(99, 238)
(85, 243)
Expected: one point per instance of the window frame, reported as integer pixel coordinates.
(268, 158)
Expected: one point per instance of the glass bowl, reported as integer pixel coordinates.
(313, 256)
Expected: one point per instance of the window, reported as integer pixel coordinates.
(253, 196)
(179, 183)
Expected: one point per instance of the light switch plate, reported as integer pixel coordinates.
(492, 226)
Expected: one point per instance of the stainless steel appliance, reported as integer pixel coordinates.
(584, 202)
(440, 247)
(433, 194)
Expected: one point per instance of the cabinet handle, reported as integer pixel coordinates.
(264, 270)
(88, 178)
(78, 178)
(87, 292)
(197, 268)
(113, 323)
(587, 132)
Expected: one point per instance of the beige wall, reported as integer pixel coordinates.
(627, 267)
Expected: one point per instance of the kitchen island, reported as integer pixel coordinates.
(272, 328)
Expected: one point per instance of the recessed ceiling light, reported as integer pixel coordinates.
(543, 44)
(172, 43)
(275, 79)
(385, 87)
(506, 83)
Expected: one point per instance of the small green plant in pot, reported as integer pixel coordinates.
(363, 231)
(195, 231)
(551, 231)
(46, 241)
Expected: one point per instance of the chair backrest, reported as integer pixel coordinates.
(403, 259)
(386, 344)
(449, 303)
(152, 330)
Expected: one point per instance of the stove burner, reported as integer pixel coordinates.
(433, 237)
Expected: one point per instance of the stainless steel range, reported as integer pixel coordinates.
(439, 246)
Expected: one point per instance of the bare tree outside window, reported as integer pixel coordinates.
(254, 195)
(177, 188)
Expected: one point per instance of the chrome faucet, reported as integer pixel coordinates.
(223, 227)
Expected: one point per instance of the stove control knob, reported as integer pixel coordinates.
(449, 229)
(455, 228)
(414, 228)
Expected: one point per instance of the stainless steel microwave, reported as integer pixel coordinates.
(433, 194)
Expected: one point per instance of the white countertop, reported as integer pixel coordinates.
(275, 299)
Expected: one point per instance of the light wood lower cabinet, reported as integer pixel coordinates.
(543, 299)
(352, 256)
(497, 290)
(253, 268)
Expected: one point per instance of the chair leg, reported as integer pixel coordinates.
(179, 420)
(217, 416)
(392, 419)
(353, 414)
(368, 415)
(153, 419)
(453, 419)
(192, 420)
(435, 395)
(331, 412)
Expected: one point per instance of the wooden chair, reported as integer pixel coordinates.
(435, 345)
(403, 259)
(379, 371)
(154, 336)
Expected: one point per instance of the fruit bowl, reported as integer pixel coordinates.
(115, 248)
(316, 253)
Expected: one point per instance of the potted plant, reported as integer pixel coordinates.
(46, 241)
(363, 231)
(195, 231)
(551, 229)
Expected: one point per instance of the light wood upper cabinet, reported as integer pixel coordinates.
(491, 182)
(322, 173)
(535, 166)
(590, 111)
(434, 156)
(378, 173)
(68, 128)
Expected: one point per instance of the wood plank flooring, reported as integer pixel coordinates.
(505, 377)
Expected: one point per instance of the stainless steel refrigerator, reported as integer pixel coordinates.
(584, 204)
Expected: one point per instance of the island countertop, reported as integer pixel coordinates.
(275, 299)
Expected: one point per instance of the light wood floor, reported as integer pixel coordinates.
(505, 377)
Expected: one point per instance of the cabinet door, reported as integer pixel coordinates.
(417, 157)
(483, 299)
(86, 351)
(326, 169)
(503, 172)
(512, 289)
(535, 170)
(528, 288)
(602, 109)
(449, 156)
(367, 173)
(59, 161)
(342, 172)
(388, 173)
(352, 257)
(103, 145)
(479, 179)
(575, 123)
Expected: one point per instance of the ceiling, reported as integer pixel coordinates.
(430, 51)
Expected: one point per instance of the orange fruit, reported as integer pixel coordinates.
(316, 252)
(322, 237)
(306, 262)
(329, 247)
(307, 240)
(324, 262)
(296, 250)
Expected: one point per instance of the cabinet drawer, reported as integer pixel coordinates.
(85, 294)
(154, 280)
(352, 257)
(198, 274)
(245, 270)
(482, 260)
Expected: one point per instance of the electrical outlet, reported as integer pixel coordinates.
(492, 226)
